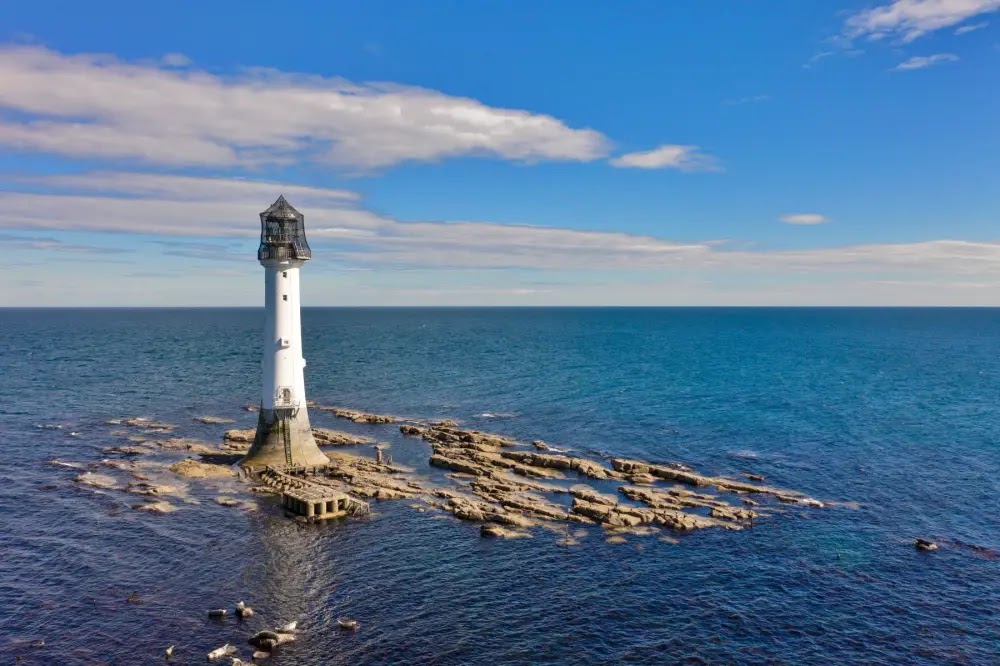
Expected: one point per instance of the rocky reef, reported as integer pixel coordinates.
(508, 487)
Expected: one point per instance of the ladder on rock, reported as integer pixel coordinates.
(286, 437)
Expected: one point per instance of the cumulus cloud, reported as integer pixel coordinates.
(97, 106)
(346, 235)
(669, 156)
(906, 20)
(804, 218)
(920, 62)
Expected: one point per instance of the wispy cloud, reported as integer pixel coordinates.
(97, 106)
(920, 62)
(176, 60)
(906, 20)
(822, 55)
(804, 218)
(670, 156)
(962, 29)
(17, 242)
(750, 99)
(346, 235)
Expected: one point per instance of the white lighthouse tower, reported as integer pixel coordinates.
(284, 436)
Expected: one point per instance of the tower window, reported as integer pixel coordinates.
(284, 297)
(284, 273)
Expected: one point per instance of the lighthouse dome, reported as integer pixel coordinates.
(283, 233)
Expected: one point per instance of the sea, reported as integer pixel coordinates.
(891, 416)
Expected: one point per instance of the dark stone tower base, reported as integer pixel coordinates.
(283, 438)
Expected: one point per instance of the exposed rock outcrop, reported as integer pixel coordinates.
(498, 532)
(195, 469)
(155, 507)
(213, 420)
(326, 437)
(102, 481)
(240, 435)
(358, 416)
(141, 422)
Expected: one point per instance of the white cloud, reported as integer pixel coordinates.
(345, 235)
(176, 60)
(907, 20)
(804, 218)
(97, 106)
(29, 243)
(962, 29)
(669, 156)
(920, 62)
(183, 206)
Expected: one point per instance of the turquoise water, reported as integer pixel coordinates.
(897, 410)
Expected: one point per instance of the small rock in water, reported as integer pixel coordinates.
(223, 651)
(244, 613)
(348, 624)
(218, 612)
(212, 420)
(134, 598)
(101, 481)
(753, 477)
(925, 545)
(266, 644)
(155, 507)
(291, 626)
(502, 532)
(260, 654)
(264, 640)
(540, 445)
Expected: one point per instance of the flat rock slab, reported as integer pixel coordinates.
(214, 420)
(155, 507)
(327, 437)
(195, 469)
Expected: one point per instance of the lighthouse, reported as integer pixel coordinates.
(284, 436)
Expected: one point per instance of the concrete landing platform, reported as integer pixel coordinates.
(315, 501)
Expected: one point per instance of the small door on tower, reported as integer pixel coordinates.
(284, 397)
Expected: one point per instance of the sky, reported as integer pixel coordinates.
(810, 152)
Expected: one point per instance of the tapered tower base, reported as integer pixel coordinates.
(284, 437)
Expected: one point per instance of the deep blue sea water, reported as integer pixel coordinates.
(897, 410)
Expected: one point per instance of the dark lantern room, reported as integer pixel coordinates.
(283, 233)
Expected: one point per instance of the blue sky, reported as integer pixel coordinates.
(640, 153)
